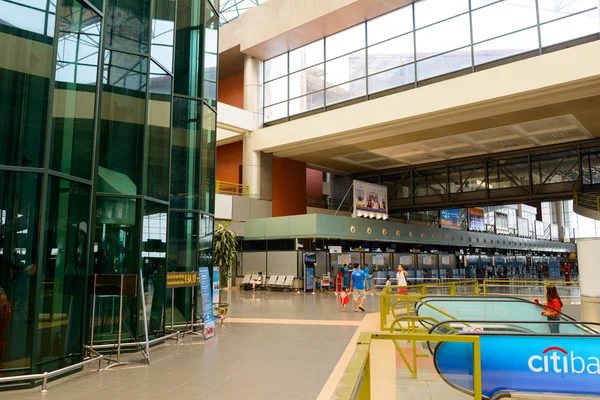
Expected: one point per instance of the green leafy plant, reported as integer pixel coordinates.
(225, 251)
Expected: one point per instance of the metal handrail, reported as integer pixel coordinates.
(232, 189)
(47, 375)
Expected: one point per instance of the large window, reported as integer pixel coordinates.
(426, 41)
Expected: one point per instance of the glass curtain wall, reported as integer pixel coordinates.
(107, 166)
(421, 43)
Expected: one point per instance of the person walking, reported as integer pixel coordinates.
(401, 275)
(358, 287)
(553, 306)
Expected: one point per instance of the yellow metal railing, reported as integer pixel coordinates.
(356, 380)
(233, 189)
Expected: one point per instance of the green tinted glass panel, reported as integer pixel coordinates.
(185, 153)
(183, 256)
(116, 251)
(19, 226)
(128, 25)
(205, 250)
(157, 145)
(27, 30)
(154, 265)
(60, 304)
(211, 54)
(188, 48)
(75, 90)
(163, 32)
(122, 127)
(207, 170)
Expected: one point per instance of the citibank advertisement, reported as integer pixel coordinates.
(450, 218)
(370, 200)
(476, 221)
(524, 363)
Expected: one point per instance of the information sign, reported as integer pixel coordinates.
(182, 279)
(450, 218)
(216, 287)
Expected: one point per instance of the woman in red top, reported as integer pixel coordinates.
(553, 307)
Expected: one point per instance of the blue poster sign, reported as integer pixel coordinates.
(207, 308)
(216, 287)
(310, 279)
(553, 267)
(450, 218)
(524, 363)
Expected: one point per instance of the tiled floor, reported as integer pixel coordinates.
(287, 351)
(274, 346)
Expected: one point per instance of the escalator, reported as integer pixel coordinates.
(523, 355)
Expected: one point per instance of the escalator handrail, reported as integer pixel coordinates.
(469, 321)
(502, 298)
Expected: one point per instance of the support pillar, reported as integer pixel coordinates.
(558, 207)
(256, 166)
(589, 276)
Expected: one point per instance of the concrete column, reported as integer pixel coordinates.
(253, 163)
(558, 206)
(589, 276)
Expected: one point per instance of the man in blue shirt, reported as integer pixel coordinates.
(358, 287)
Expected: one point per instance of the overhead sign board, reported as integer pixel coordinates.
(476, 219)
(450, 218)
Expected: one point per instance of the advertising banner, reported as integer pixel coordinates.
(216, 284)
(553, 267)
(370, 200)
(476, 221)
(502, 223)
(523, 227)
(524, 363)
(450, 218)
(207, 308)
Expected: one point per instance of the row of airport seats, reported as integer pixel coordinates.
(283, 282)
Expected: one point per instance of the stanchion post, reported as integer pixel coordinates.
(120, 321)
(45, 383)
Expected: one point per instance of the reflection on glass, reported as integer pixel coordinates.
(276, 91)
(573, 27)
(64, 275)
(205, 241)
(515, 15)
(455, 33)
(429, 11)
(122, 127)
(307, 56)
(116, 238)
(444, 64)
(127, 25)
(307, 103)
(346, 68)
(307, 81)
(345, 42)
(390, 25)
(36, 16)
(26, 49)
(185, 153)
(154, 265)
(391, 53)
(211, 53)
(553, 9)
(276, 67)
(157, 145)
(207, 168)
(506, 46)
(75, 90)
(188, 57)
(392, 78)
(346, 91)
(276, 112)
(163, 26)
(20, 195)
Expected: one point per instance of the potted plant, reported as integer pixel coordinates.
(224, 257)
